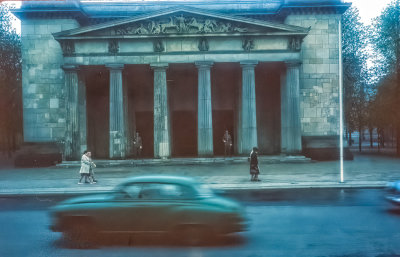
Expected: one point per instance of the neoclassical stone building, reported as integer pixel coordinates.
(181, 73)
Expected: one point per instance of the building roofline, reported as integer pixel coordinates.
(87, 9)
(86, 29)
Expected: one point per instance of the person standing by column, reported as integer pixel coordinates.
(227, 139)
(137, 145)
(254, 170)
(85, 167)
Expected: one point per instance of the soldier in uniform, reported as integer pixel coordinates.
(227, 139)
(137, 145)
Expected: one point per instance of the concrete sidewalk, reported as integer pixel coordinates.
(365, 171)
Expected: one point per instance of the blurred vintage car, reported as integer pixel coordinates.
(393, 192)
(178, 207)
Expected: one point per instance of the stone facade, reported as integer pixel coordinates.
(319, 76)
(73, 59)
(43, 79)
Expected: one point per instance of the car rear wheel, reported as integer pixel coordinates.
(80, 233)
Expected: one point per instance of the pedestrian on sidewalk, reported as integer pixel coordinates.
(91, 170)
(227, 139)
(254, 170)
(86, 163)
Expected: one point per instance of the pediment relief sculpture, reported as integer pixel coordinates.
(113, 47)
(67, 47)
(203, 44)
(295, 43)
(180, 24)
(158, 46)
(248, 44)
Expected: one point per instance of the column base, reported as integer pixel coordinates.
(210, 155)
(117, 146)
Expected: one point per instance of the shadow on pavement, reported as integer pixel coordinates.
(150, 241)
(394, 211)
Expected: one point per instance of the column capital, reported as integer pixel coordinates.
(115, 66)
(159, 66)
(293, 63)
(204, 64)
(70, 67)
(248, 63)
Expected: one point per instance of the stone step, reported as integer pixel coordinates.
(187, 161)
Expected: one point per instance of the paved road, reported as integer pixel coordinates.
(307, 222)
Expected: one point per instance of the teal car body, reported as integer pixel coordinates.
(150, 204)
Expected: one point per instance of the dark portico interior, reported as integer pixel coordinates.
(182, 82)
(139, 86)
(268, 104)
(225, 83)
(182, 97)
(97, 110)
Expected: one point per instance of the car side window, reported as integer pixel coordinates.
(131, 191)
(174, 191)
(164, 191)
(149, 191)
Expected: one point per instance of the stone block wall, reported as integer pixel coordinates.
(43, 79)
(319, 74)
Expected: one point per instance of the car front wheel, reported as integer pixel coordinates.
(193, 235)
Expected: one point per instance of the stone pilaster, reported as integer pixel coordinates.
(204, 120)
(71, 140)
(117, 116)
(82, 115)
(162, 136)
(290, 110)
(248, 113)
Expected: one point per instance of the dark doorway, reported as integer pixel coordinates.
(182, 96)
(268, 104)
(139, 83)
(184, 129)
(97, 108)
(225, 82)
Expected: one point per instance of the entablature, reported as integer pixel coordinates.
(182, 29)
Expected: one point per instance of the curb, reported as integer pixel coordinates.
(220, 188)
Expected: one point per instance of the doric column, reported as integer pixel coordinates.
(204, 120)
(117, 116)
(248, 114)
(71, 140)
(162, 141)
(290, 109)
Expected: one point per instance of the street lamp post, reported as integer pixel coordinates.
(397, 77)
(341, 103)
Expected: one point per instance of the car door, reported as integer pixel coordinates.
(121, 212)
(161, 205)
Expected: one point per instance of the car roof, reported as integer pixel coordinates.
(161, 179)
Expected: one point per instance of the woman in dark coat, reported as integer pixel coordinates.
(254, 170)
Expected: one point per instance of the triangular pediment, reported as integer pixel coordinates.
(182, 21)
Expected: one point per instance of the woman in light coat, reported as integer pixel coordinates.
(86, 165)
